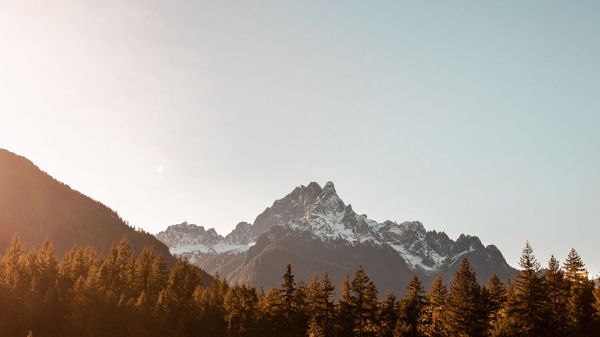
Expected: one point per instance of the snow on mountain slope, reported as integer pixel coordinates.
(321, 213)
(187, 238)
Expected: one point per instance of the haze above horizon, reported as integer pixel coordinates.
(471, 117)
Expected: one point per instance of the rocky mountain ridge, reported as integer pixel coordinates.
(317, 216)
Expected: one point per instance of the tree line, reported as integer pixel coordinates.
(120, 294)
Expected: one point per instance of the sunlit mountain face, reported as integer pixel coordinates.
(316, 231)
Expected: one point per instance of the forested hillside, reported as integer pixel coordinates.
(38, 207)
(123, 294)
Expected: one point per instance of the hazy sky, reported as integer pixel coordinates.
(478, 117)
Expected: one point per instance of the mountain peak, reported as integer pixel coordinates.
(313, 185)
(316, 215)
(328, 202)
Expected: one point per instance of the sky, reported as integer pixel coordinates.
(477, 117)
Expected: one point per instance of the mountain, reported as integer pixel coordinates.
(37, 207)
(315, 231)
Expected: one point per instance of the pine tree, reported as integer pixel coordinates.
(293, 301)
(75, 264)
(46, 271)
(388, 315)
(410, 307)
(496, 299)
(302, 314)
(14, 272)
(271, 319)
(210, 306)
(597, 308)
(45, 306)
(15, 279)
(288, 293)
(241, 307)
(314, 329)
(116, 271)
(363, 303)
(556, 289)
(346, 314)
(466, 315)
(431, 321)
(313, 299)
(143, 274)
(597, 299)
(496, 293)
(580, 300)
(526, 313)
(320, 306)
(327, 305)
(371, 327)
(175, 301)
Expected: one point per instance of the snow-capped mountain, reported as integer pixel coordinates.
(189, 238)
(312, 225)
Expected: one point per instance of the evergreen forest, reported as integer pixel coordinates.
(121, 294)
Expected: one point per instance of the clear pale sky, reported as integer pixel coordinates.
(478, 117)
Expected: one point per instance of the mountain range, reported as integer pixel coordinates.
(310, 228)
(315, 231)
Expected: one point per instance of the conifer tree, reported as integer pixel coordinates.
(209, 303)
(288, 293)
(371, 328)
(346, 313)
(597, 308)
(327, 305)
(271, 319)
(116, 271)
(466, 313)
(388, 315)
(45, 306)
(363, 303)
(149, 274)
(75, 264)
(496, 294)
(302, 313)
(580, 299)
(410, 308)
(315, 329)
(320, 306)
(526, 313)
(46, 269)
(556, 289)
(313, 298)
(431, 321)
(240, 307)
(175, 301)
(496, 298)
(292, 296)
(14, 272)
(15, 278)
(597, 299)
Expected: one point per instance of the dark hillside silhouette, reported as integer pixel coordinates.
(37, 207)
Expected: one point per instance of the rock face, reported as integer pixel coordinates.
(315, 231)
